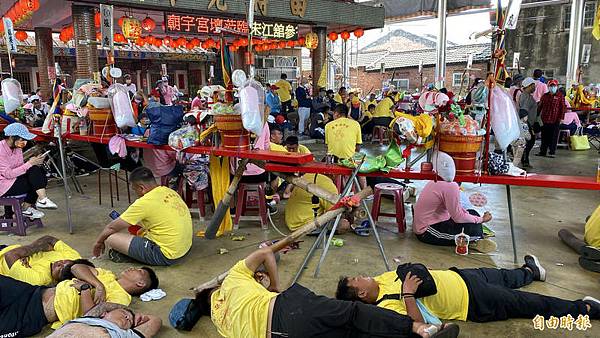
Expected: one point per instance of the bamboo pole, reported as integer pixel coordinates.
(294, 236)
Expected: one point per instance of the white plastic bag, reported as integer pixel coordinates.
(250, 109)
(121, 105)
(505, 121)
(11, 94)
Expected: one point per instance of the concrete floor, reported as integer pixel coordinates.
(539, 214)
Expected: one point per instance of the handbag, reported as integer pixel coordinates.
(579, 141)
(427, 287)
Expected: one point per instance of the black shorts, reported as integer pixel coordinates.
(298, 312)
(21, 309)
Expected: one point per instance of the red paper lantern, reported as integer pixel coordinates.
(258, 48)
(333, 36)
(63, 37)
(98, 36)
(97, 19)
(150, 39)
(301, 41)
(119, 38)
(167, 40)
(281, 44)
(189, 45)
(181, 41)
(359, 32)
(140, 41)
(204, 45)
(33, 5)
(21, 35)
(148, 24)
(345, 35)
(232, 48)
(120, 21)
(273, 45)
(290, 44)
(196, 42)
(210, 43)
(218, 45)
(70, 31)
(158, 43)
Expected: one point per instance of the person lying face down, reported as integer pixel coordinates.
(110, 320)
(247, 303)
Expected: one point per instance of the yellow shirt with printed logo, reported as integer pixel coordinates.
(451, 302)
(165, 219)
(39, 271)
(298, 210)
(341, 136)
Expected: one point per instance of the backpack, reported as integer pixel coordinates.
(164, 120)
(184, 314)
(427, 287)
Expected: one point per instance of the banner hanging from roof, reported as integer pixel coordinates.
(176, 23)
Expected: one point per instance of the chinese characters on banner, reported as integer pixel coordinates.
(193, 24)
(106, 26)
(9, 36)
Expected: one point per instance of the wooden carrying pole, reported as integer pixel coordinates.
(294, 236)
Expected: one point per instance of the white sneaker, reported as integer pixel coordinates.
(33, 213)
(45, 203)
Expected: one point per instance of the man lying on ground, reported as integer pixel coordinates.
(589, 248)
(166, 225)
(26, 309)
(110, 320)
(479, 295)
(247, 304)
(38, 263)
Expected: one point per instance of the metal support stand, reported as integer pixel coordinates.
(57, 125)
(511, 222)
(323, 235)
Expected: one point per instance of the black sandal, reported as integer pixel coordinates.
(447, 331)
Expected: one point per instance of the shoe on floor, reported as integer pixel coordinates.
(484, 245)
(33, 213)
(591, 253)
(551, 156)
(118, 257)
(447, 331)
(45, 203)
(532, 262)
(594, 306)
(589, 264)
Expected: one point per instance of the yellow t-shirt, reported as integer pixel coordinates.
(165, 219)
(592, 229)
(342, 136)
(39, 273)
(240, 308)
(67, 298)
(284, 91)
(298, 210)
(384, 108)
(277, 147)
(451, 302)
(368, 103)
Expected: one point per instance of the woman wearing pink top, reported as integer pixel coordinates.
(18, 178)
(439, 215)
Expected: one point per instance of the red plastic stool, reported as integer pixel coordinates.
(242, 205)
(380, 134)
(188, 196)
(395, 190)
(18, 223)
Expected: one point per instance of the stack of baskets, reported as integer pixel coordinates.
(463, 149)
(233, 134)
(103, 122)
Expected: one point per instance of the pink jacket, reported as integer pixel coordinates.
(439, 202)
(540, 89)
(11, 166)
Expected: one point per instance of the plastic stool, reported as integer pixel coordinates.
(567, 134)
(18, 223)
(380, 134)
(241, 207)
(395, 190)
(188, 196)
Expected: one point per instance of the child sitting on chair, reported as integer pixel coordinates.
(518, 145)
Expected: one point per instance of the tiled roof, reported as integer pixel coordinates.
(399, 39)
(454, 54)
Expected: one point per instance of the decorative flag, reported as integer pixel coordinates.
(596, 30)
(226, 67)
(323, 78)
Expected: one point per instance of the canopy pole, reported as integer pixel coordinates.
(577, 9)
(440, 66)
